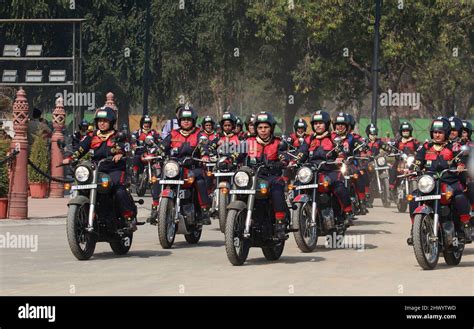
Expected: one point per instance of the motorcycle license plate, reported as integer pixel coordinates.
(304, 187)
(223, 174)
(382, 168)
(83, 187)
(171, 182)
(428, 197)
(242, 192)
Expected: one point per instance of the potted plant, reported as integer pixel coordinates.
(4, 178)
(39, 156)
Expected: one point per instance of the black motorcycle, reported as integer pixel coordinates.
(436, 226)
(250, 218)
(92, 215)
(179, 211)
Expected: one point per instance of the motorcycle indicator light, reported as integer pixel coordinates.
(67, 186)
(153, 180)
(326, 183)
(190, 180)
(209, 173)
(356, 176)
(105, 184)
(409, 197)
(225, 190)
(448, 195)
(291, 187)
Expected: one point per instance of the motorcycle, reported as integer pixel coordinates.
(92, 216)
(151, 167)
(223, 182)
(406, 181)
(351, 174)
(436, 226)
(179, 211)
(379, 186)
(316, 212)
(250, 217)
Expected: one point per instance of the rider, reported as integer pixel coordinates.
(103, 143)
(466, 140)
(405, 143)
(140, 135)
(181, 143)
(79, 134)
(208, 128)
(343, 124)
(265, 146)
(299, 127)
(317, 148)
(456, 129)
(249, 126)
(373, 149)
(239, 128)
(437, 155)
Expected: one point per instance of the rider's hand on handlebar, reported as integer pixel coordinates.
(66, 161)
(205, 158)
(117, 157)
(460, 168)
(339, 160)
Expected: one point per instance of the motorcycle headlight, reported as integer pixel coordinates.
(343, 169)
(410, 160)
(171, 169)
(241, 179)
(81, 174)
(381, 161)
(304, 175)
(426, 184)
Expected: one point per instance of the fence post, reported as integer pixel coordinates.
(59, 119)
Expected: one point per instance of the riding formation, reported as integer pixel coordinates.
(261, 187)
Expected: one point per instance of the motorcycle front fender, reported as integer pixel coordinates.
(78, 200)
(237, 205)
(424, 209)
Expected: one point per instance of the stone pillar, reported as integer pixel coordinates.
(59, 120)
(18, 203)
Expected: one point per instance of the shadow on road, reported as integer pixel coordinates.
(205, 243)
(285, 260)
(134, 254)
(322, 248)
(371, 222)
(361, 232)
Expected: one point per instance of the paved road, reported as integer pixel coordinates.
(386, 265)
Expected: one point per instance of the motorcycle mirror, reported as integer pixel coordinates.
(301, 140)
(338, 140)
(149, 140)
(140, 201)
(465, 149)
(203, 140)
(120, 137)
(134, 138)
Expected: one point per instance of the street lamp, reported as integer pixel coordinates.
(57, 76)
(34, 76)
(34, 50)
(11, 51)
(10, 76)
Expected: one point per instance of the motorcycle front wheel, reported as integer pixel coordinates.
(166, 225)
(81, 242)
(236, 246)
(425, 247)
(306, 236)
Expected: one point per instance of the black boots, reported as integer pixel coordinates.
(153, 215)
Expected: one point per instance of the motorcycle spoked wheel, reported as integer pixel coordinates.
(81, 242)
(426, 249)
(166, 225)
(236, 246)
(306, 236)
